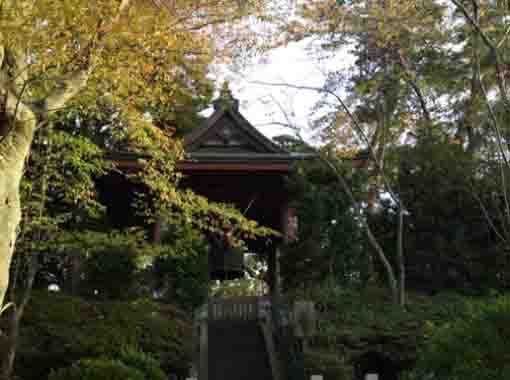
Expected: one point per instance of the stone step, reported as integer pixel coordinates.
(237, 351)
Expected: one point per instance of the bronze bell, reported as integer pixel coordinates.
(226, 264)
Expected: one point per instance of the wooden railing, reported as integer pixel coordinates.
(274, 362)
(236, 308)
(273, 322)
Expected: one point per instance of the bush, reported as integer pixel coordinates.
(98, 369)
(330, 240)
(106, 269)
(130, 365)
(472, 348)
(182, 280)
(181, 271)
(353, 322)
(58, 330)
(143, 362)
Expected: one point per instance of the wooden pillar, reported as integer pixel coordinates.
(271, 269)
(273, 258)
(288, 228)
(277, 280)
(289, 223)
(156, 231)
(76, 272)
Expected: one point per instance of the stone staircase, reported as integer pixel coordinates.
(247, 338)
(236, 341)
(237, 351)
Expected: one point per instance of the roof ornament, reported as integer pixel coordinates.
(226, 100)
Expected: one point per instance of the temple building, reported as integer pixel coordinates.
(228, 160)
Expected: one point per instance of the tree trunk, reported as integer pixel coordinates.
(400, 259)
(9, 344)
(10, 217)
(390, 272)
(14, 150)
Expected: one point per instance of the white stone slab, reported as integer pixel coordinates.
(316, 377)
(371, 376)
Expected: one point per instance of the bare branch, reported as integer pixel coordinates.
(123, 8)
(14, 105)
(33, 268)
(20, 61)
(415, 87)
(495, 123)
(292, 127)
(474, 24)
(371, 237)
(75, 81)
(503, 39)
(2, 54)
(505, 164)
(491, 46)
(397, 288)
(357, 127)
(12, 123)
(69, 87)
(487, 216)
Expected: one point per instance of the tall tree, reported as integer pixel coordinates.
(423, 71)
(124, 51)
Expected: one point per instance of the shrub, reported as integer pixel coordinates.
(182, 280)
(181, 270)
(97, 369)
(143, 362)
(59, 330)
(472, 348)
(130, 365)
(106, 269)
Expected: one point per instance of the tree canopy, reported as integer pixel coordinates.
(142, 62)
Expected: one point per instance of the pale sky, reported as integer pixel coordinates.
(262, 105)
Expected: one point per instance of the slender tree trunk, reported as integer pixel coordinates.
(9, 345)
(400, 259)
(390, 272)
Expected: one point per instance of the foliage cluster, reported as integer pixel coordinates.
(92, 265)
(432, 70)
(238, 288)
(130, 365)
(58, 189)
(352, 322)
(179, 271)
(474, 346)
(174, 271)
(100, 369)
(59, 330)
(141, 69)
(329, 238)
(105, 269)
(450, 243)
(144, 362)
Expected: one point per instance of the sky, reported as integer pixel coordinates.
(266, 106)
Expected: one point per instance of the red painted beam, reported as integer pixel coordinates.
(226, 167)
(206, 167)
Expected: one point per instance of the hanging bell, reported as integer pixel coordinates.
(225, 262)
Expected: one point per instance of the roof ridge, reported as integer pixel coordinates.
(240, 122)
